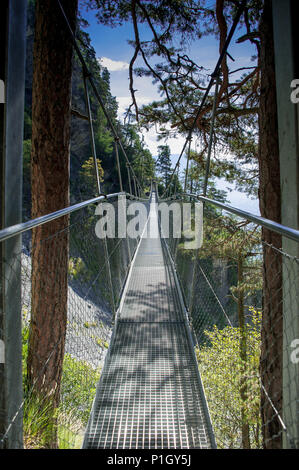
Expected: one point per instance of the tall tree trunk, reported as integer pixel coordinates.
(243, 357)
(51, 102)
(270, 207)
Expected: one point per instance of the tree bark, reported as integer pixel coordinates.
(243, 357)
(270, 207)
(51, 117)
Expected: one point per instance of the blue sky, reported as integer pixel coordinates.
(111, 46)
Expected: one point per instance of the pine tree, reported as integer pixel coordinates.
(163, 164)
(51, 116)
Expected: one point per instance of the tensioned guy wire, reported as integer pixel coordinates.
(88, 74)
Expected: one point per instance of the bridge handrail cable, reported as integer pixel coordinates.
(17, 229)
(283, 230)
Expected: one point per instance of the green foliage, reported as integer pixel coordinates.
(224, 374)
(176, 185)
(165, 176)
(69, 438)
(139, 156)
(76, 267)
(82, 175)
(78, 387)
(27, 125)
(39, 418)
(226, 236)
(82, 181)
(228, 239)
(103, 137)
(103, 344)
(195, 181)
(25, 339)
(182, 82)
(88, 177)
(163, 164)
(26, 158)
(89, 324)
(39, 421)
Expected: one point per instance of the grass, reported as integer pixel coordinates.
(38, 422)
(67, 423)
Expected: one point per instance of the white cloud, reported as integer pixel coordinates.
(150, 136)
(113, 65)
(125, 101)
(175, 144)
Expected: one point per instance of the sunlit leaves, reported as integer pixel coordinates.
(223, 371)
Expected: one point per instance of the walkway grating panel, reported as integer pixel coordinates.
(150, 395)
(150, 297)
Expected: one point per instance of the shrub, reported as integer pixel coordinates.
(223, 372)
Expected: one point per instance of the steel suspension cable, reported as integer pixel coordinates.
(205, 185)
(129, 178)
(282, 423)
(285, 231)
(118, 166)
(93, 147)
(187, 167)
(88, 75)
(213, 76)
(177, 180)
(277, 413)
(94, 154)
(135, 186)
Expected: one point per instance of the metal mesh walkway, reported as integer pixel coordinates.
(150, 394)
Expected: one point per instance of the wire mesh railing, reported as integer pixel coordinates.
(240, 287)
(71, 283)
(242, 295)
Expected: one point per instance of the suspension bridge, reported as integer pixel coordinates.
(139, 311)
(150, 395)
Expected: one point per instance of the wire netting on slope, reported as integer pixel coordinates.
(242, 292)
(75, 276)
